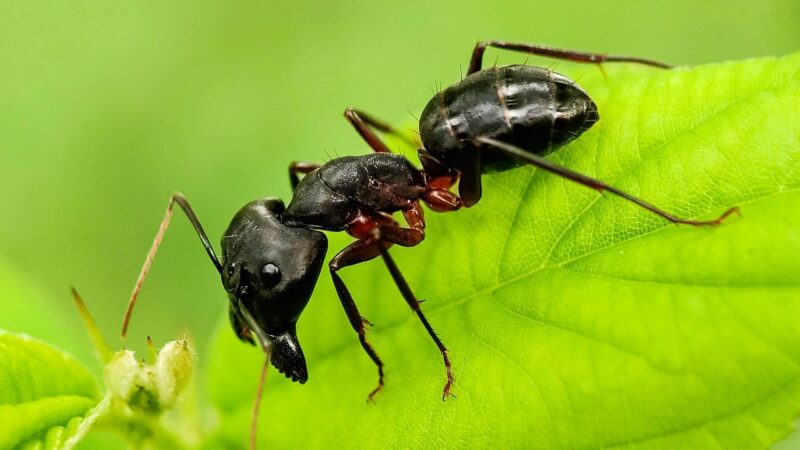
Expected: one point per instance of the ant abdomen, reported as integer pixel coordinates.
(530, 107)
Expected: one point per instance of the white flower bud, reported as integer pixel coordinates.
(122, 374)
(150, 388)
(173, 369)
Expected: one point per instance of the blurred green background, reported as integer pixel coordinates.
(108, 107)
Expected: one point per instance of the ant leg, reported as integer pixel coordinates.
(597, 185)
(469, 186)
(404, 237)
(357, 252)
(409, 237)
(442, 200)
(368, 247)
(570, 55)
(364, 123)
(184, 204)
(412, 301)
(297, 167)
(388, 235)
(415, 218)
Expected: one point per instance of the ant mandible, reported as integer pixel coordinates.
(494, 119)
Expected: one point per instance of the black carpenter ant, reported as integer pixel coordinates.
(492, 120)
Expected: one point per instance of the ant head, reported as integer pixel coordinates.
(269, 272)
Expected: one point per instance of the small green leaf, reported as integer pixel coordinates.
(576, 320)
(27, 308)
(43, 393)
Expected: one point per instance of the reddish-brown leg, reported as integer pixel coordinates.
(364, 123)
(412, 301)
(357, 252)
(475, 63)
(414, 216)
(409, 238)
(300, 167)
(376, 233)
(442, 200)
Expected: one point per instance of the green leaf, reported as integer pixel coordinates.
(27, 308)
(44, 393)
(573, 319)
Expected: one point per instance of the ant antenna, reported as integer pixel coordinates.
(257, 404)
(184, 204)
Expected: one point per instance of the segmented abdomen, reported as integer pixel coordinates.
(530, 107)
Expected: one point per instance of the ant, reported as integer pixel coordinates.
(494, 119)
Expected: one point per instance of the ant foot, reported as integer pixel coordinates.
(446, 393)
(371, 396)
(715, 222)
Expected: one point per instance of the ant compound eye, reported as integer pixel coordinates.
(270, 275)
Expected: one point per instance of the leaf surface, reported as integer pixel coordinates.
(44, 393)
(576, 320)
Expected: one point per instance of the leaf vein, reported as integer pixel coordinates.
(786, 386)
(658, 148)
